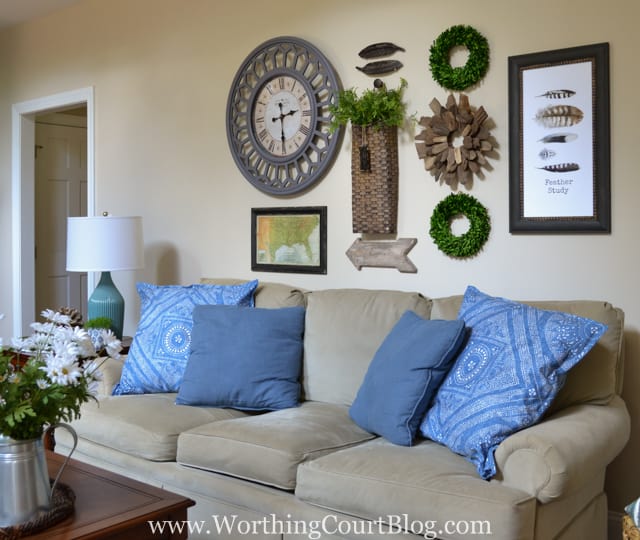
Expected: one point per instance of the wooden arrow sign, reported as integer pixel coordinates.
(383, 254)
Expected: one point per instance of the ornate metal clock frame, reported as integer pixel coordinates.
(278, 116)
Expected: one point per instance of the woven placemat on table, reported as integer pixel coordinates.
(629, 530)
(631, 520)
(62, 502)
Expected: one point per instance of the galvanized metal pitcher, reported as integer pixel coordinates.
(25, 488)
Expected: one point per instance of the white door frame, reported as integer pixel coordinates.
(23, 191)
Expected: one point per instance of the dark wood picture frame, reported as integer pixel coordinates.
(559, 141)
(289, 239)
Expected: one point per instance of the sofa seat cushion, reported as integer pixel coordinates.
(143, 425)
(378, 480)
(268, 448)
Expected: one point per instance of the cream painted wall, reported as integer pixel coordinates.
(161, 70)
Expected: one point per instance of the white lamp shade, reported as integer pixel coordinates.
(104, 243)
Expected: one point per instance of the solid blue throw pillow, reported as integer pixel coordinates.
(512, 367)
(244, 358)
(404, 376)
(160, 348)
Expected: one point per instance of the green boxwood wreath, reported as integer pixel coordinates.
(469, 243)
(459, 78)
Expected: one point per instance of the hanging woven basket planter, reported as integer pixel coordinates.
(374, 179)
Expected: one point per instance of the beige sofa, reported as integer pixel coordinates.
(310, 471)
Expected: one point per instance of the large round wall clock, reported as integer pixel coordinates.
(278, 116)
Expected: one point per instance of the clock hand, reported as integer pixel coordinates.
(281, 119)
(282, 116)
(276, 118)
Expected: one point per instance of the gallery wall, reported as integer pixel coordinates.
(161, 72)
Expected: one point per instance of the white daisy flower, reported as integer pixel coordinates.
(92, 370)
(93, 388)
(18, 343)
(67, 350)
(43, 328)
(55, 317)
(84, 343)
(63, 371)
(111, 343)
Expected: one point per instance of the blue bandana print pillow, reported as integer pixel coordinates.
(508, 373)
(160, 348)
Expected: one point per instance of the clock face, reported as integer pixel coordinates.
(278, 116)
(282, 116)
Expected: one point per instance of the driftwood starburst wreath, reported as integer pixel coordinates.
(454, 142)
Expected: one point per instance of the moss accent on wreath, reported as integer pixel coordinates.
(469, 243)
(459, 78)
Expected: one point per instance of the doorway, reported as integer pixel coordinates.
(60, 192)
(23, 143)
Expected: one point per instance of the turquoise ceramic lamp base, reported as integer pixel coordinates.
(106, 301)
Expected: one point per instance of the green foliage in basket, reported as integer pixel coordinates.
(378, 107)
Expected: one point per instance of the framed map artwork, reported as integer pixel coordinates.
(289, 239)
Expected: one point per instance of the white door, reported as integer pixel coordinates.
(60, 191)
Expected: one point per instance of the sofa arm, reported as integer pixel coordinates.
(549, 460)
(111, 370)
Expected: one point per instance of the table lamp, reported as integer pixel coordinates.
(105, 244)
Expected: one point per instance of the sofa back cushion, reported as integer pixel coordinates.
(343, 330)
(268, 294)
(598, 376)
